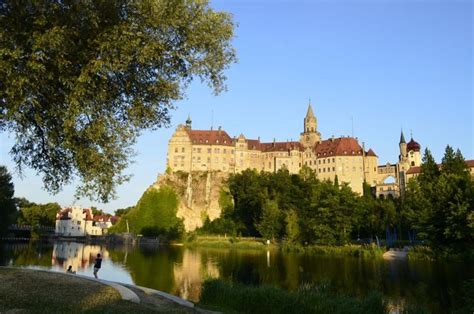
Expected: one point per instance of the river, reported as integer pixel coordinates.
(181, 271)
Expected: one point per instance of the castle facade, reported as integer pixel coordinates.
(343, 157)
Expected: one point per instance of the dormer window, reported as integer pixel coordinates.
(207, 141)
(217, 141)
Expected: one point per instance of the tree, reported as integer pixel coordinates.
(39, 214)
(270, 223)
(123, 211)
(80, 80)
(7, 202)
(292, 229)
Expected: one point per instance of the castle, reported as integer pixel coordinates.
(342, 158)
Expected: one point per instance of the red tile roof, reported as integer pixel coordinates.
(254, 145)
(280, 146)
(213, 137)
(343, 146)
(88, 214)
(416, 170)
(371, 153)
(63, 214)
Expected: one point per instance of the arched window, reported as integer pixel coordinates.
(413, 163)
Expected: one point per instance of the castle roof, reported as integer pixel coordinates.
(309, 113)
(412, 145)
(417, 170)
(254, 145)
(402, 138)
(371, 153)
(280, 146)
(342, 146)
(214, 137)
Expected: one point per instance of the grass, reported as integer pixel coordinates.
(227, 243)
(29, 291)
(236, 298)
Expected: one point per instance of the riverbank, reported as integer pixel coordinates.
(26, 290)
(260, 244)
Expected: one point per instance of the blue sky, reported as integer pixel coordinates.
(385, 65)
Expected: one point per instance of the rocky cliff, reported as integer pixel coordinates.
(198, 195)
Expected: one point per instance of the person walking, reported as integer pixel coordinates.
(97, 265)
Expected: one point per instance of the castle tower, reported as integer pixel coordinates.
(310, 135)
(188, 122)
(403, 148)
(414, 156)
(310, 122)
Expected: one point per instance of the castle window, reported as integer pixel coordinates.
(194, 149)
(412, 163)
(319, 161)
(324, 169)
(241, 154)
(269, 165)
(216, 150)
(225, 151)
(310, 163)
(207, 141)
(199, 150)
(182, 150)
(176, 165)
(319, 170)
(334, 160)
(209, 150)
(176, 149)
(324, 161)
(199, 158)
(217, 141)
(208, 159)
(333, 168)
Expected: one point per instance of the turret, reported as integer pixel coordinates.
(310, 136)
(188, 122)
(403, 147)
(310, 122)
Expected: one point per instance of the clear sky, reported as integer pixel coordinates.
(383, 64)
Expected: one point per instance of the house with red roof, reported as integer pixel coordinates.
(75, 221)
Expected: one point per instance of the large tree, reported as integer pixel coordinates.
(79, 80)
(7, 202)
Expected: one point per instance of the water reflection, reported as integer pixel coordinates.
(79, 255)
(181, 271)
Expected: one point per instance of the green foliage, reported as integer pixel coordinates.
(439, 204)
(292, 231)
(271, 221)
(123, 211)
(80, 80)
(154, 215)
(7, 202)
(38, 214)
(227, 297)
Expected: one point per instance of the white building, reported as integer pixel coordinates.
(76, 221)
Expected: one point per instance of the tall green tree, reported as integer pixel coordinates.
(271, 222)
(7, 202)
(80, 80)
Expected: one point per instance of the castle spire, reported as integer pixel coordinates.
(309, 113)
(188, 122)
(402, 138)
